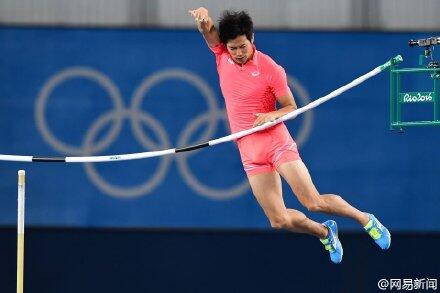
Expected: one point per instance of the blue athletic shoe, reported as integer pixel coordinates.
(378, 232)
(332, 243)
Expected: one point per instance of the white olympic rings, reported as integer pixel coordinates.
(139, 118)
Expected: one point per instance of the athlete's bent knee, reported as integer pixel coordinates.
(316, 206)
(279, 221)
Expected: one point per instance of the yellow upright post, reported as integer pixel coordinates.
(20, 230)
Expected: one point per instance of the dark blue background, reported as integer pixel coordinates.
(108, 260)
(350, 150)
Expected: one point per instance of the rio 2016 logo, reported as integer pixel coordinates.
(417, 97)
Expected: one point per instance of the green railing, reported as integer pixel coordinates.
(399, 99)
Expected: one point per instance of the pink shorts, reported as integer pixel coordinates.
(264, 151)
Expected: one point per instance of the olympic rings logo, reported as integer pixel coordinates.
(93, 144)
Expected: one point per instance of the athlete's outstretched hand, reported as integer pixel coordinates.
(203, 21)
(205, 25)
(200, 14)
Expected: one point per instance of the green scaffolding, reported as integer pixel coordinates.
(399, 98)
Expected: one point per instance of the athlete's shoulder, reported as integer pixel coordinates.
(267, 62)
(220, 53)
(218, 49)
(268, 66)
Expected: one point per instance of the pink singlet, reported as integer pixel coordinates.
(249, 89)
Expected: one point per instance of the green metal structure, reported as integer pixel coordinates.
(430, 95)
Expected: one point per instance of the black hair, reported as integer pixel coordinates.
(235, 23)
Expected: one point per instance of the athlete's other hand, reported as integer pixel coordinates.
(264, 118)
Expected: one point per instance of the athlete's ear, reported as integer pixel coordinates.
(253, 37)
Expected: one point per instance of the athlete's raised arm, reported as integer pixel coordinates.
(206, 26)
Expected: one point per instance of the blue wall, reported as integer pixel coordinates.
(60, 89)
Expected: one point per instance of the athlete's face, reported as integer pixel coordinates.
(240, 49)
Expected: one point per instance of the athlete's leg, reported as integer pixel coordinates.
(267, 190)
(298, 177)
